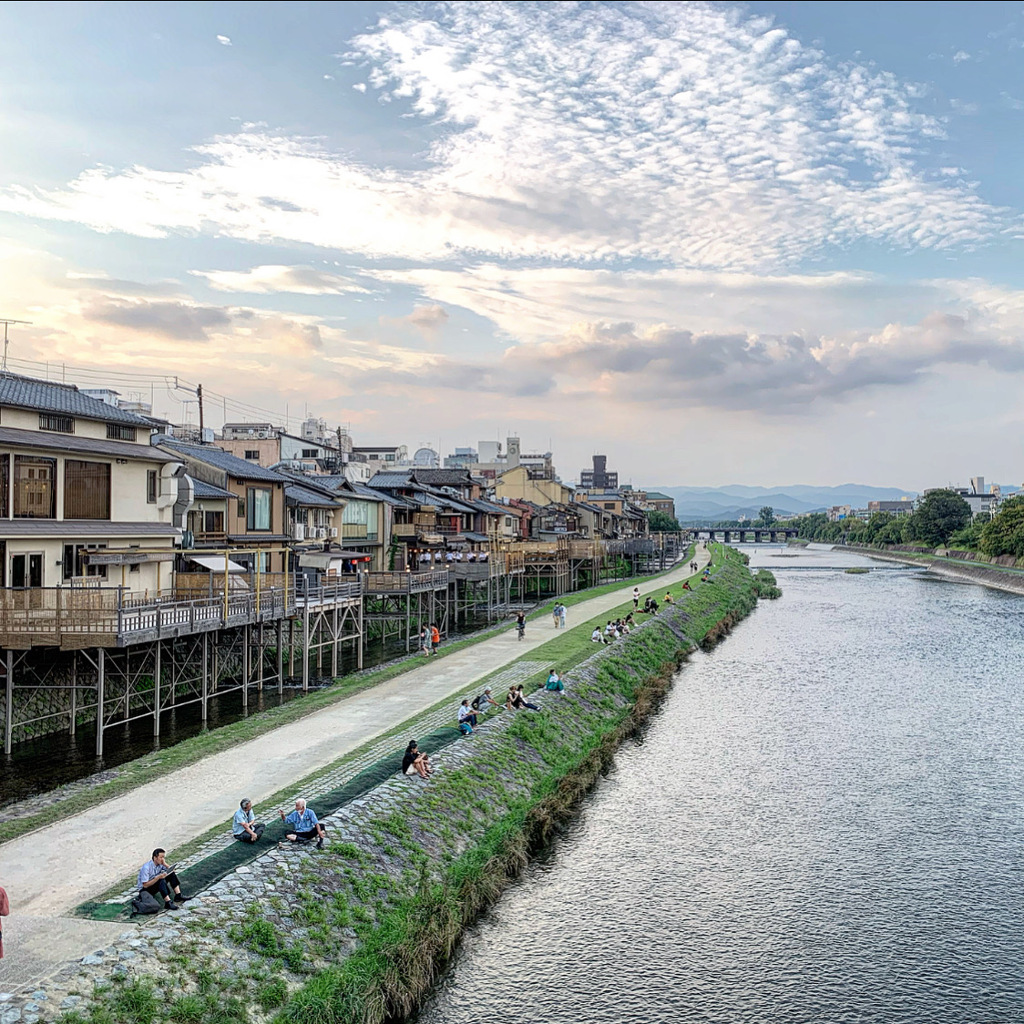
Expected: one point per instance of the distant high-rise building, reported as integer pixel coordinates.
(599, 478)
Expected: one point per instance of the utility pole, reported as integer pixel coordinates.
(199, 395)
(7, 323)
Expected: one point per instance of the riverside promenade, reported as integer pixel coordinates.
(53, 870)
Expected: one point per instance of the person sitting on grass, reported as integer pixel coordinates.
(596, 637)
(414, 762)
(244, 827)
(484, 702)
(304, 825)
(156, 876)
(668, 597)
(520, 702)
(467, 718)
(554, 683)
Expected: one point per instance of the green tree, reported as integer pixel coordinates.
(766, 516)
(1004, 533)
(941, 513)
(662, 522)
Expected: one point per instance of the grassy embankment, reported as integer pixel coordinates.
(438, 859)
(161, 762)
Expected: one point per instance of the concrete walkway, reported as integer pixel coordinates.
(53, 870)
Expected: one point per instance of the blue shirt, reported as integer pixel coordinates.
(236, 823)
(304, 822)
(149, 871)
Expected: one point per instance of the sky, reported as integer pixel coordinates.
(762, 243)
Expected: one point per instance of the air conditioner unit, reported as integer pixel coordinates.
(334, 531)
(319, 532)
(298, 531)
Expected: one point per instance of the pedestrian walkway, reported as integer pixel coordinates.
(51, 871)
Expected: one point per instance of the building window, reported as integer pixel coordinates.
(34, 487)
(241, 508)
(389, 457)
(86, 490)
(310, 453)
(253, 454)
(151, 486)
(59, 424)
(74, 561)
(610, 505)
(258, 505)
(213, 522)
(120, 432)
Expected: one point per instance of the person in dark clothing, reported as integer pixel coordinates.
(414, 762)
(519, 701)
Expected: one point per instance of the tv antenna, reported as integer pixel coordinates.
(7, 323)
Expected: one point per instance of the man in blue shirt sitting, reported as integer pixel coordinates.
(155, 876)
(244, 826)
(303, 825)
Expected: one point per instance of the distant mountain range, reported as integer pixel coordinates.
(731, 502)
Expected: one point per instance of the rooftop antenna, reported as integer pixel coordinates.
(7, 323)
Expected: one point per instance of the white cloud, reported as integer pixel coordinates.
(224, 40)
(273, 278)
(690, 134)
(960, 56)
(359, 87)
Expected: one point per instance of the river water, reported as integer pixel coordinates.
(824, 823)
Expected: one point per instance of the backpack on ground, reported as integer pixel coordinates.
(146, 903)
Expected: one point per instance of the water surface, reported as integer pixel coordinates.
(823, 824)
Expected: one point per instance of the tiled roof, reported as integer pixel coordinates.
(296, 494)
(204, 490)
(390, 479)
(442, 477)
(47, 396)
(84, 445)
(213, 456)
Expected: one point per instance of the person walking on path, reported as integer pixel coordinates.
(554, 614)
(156, 876)
(636, 598)
(521, 624)
(304, 825)
(5, 909)
(561, 616)
(244, 826)
(435, 639)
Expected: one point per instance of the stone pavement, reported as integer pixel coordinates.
(51, 871)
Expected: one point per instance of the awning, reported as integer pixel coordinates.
(332, 560)
(215, 564)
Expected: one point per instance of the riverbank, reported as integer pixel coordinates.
(35, 812)
(355, 932)
(965, 571)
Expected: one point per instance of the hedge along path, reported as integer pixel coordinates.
(112, 839)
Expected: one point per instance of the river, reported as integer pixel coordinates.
(824, 823)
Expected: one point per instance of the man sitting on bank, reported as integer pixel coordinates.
(304, 825)
(484, 702)
(156, 877)
(244, 826)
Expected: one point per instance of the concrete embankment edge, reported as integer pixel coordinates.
(965, 572)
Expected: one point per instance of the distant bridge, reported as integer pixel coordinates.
(741, 535)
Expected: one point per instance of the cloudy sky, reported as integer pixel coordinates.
(767, 243)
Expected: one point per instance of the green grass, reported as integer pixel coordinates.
(158, 763)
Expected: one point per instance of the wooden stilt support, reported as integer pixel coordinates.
(101, 668)
(280, 656)
(204, 703)
(9, 708)
(74, 693)
(156, 686)
(245, 666)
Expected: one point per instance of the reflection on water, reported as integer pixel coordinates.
(824, 824)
